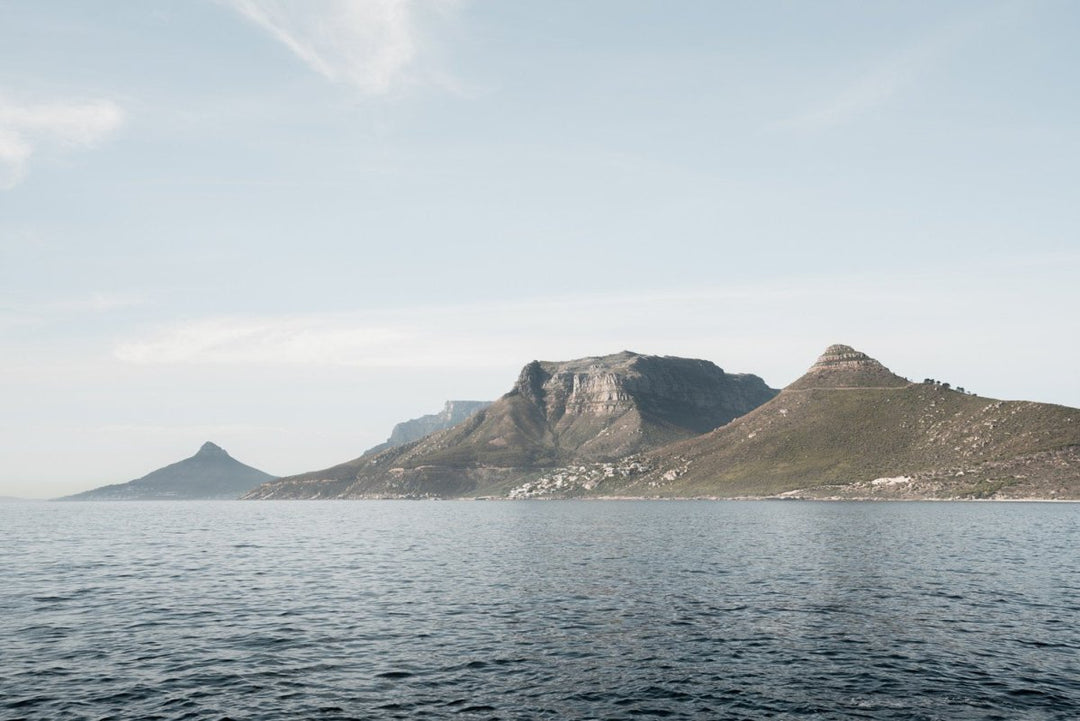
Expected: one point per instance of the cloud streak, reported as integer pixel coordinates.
(891, 76)
(310, 340)
(24, 128)
(461, 336)
(372, 45)
(740, 325)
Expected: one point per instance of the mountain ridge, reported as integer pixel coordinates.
(850, 428)
(452, 413)
(583, 410)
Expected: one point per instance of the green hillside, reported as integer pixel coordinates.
(949, 444)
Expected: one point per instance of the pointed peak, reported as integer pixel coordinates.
(841, 355)
(841, 366)
(211, 449)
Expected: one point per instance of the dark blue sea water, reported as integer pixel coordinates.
(540, 610)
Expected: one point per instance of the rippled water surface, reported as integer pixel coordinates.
(560, 610)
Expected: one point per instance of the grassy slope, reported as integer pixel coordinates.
(814, 437)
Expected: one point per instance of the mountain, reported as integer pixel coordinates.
(850, 428)
(453, 412)
(209, 474)
(585, 410)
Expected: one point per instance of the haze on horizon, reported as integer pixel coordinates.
(285, 226)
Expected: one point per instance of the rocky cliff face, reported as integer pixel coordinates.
(603, 408)
(584, 410)
(211, 474)
(453, 412)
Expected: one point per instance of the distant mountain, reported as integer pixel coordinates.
(850, 428)
(209, 474)
(453, 412)
(585, 410)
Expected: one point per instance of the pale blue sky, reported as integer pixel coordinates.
(284, 226)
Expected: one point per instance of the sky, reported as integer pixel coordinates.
(285, 225)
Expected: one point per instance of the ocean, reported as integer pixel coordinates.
(539, 610)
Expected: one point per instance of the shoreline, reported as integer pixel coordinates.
(784, 499)
(503, 499)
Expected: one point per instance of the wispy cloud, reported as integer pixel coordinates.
(733, 324)
(309, 340)
(65, 125)
(892, 75)
(874, 88)
(481, 335)
(372, 45)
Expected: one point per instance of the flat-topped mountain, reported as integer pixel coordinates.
(453, 412)
(209, 474)
(849, 428)
(584, 410)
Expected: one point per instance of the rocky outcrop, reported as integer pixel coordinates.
(608, 407)
(453, 412)
(586, 410)
(841, 366)
(211, 474)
